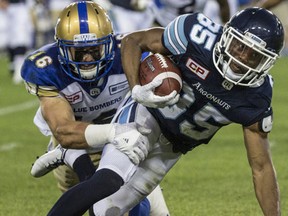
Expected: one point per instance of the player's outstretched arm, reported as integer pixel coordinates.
(59, 116)
(224, 10)
(264, 176)
(128, 138)
(71, 133)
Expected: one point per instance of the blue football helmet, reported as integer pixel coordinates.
(84, 36)
(249, 46)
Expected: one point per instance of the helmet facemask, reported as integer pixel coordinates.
(86, 58)
(242, 58)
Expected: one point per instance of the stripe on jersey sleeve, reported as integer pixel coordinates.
(41, 91)
(174, 37)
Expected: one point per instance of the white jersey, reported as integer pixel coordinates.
(87, 108)
(168, 10)
(212, 10)
(20, 28)
(125, 21)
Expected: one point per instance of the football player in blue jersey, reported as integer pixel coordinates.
(78, 80)
(225, 80)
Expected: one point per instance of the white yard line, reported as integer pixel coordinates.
(18, 108)
(8, 147)
(14, 109)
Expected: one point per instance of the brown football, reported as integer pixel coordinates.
(157, 66)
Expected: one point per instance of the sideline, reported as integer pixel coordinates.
(18, 107)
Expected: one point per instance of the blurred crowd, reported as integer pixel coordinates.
(26, 25)
(29, 24)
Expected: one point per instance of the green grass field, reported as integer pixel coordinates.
(212, 180)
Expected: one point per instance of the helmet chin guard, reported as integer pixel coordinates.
(247, 50)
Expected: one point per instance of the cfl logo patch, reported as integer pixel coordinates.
(197, 69)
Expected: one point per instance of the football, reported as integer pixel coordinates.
(157, 66)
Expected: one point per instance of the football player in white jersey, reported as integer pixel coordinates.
(213, 10)
(78, 78)
(226, 80)
(128, 15)
(19, 36)
(167, 10)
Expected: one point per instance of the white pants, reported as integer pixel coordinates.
(140, 180)
(143, 180)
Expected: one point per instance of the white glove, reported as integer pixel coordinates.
(131, 139)
(145, 95)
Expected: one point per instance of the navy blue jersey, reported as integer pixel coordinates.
(208, 101)
(91, 101)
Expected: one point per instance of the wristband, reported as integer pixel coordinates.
(98, 135)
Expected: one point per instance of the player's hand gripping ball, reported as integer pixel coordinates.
(159, 67)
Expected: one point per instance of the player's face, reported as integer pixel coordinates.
(245, 55)
(86, 54)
